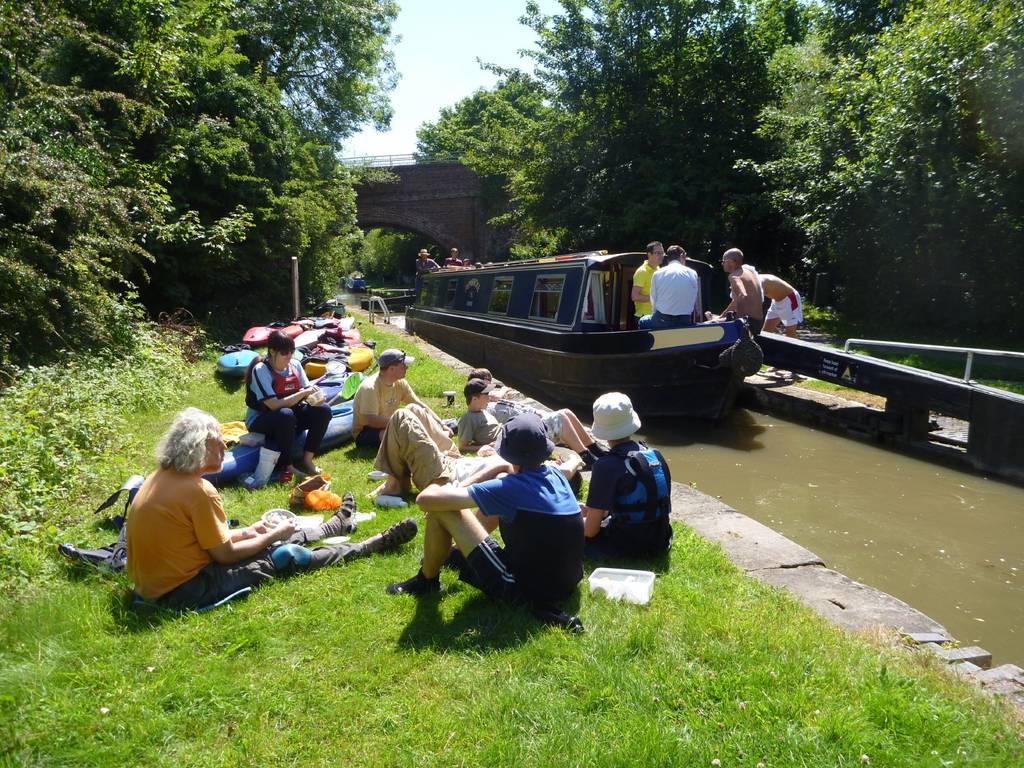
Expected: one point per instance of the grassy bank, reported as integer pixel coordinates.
(327, 669)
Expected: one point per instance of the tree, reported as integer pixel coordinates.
(653, 102)
(330, 58)
(907, 173)
(853, 26)
(143, 151)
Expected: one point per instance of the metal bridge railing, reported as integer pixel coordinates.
(391, 161)
(969, 351)
(374, 300)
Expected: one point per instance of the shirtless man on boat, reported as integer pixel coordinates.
(745, 287)
(786, 308)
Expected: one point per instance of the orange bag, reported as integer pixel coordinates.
(322, 500)
(297, 498)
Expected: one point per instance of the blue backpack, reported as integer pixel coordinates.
(650, 498)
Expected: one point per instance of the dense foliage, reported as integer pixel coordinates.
(905, 168)
(878, 140)
(181, 151)
(63, 422)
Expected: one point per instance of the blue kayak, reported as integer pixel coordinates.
(242, 459)
(235, 363)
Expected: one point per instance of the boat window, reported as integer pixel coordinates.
(547, 293)
(449, 298)
(500, 295)
(598, 293)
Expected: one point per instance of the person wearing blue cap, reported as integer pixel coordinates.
(540, 522)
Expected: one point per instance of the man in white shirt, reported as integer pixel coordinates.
(674, 291)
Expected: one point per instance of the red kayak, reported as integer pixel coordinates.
(347, 338)
(257, 336)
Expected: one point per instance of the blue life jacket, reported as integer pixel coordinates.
(650, 498)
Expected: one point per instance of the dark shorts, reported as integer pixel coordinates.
(489, 572)
(369, 437)
(628, 541)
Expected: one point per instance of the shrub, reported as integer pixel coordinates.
(62, 421)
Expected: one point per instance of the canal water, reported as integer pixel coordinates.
(949, 543)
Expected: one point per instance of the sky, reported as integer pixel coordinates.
(436, 60)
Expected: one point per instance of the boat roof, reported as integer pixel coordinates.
(588, 257)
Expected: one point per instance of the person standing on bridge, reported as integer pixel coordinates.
(424, 264)
(453, 259)
(786, 308)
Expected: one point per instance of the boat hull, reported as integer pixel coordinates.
(572, 369)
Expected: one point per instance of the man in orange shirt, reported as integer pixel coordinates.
(181, 553)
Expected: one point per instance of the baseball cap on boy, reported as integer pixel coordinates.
(524, 441)
(477, 387)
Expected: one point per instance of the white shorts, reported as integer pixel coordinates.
(504, 410)
(789, 310)
(553, 425)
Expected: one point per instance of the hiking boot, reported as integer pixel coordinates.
(393, 537)
(341, 521)
(417, 585)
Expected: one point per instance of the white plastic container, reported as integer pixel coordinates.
(623, 584)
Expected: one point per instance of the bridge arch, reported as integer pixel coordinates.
(440, 201)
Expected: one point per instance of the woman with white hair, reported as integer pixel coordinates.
(181, 553)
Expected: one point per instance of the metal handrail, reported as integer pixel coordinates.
(375, 299)
(969, 351)
(391, 161)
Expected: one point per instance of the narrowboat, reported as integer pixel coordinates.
(356, 282)
(562, 330)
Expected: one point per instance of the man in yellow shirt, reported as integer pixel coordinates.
(380, 395)
(641, 294)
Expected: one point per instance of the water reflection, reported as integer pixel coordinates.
(949, 543)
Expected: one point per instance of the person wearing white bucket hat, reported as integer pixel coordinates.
(628, 501)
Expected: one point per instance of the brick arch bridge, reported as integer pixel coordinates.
(440, 201)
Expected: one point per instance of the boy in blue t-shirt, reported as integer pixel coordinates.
(539, 517)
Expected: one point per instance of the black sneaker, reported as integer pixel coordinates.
(340, 522)
(588, 459)
(556, 618)
(417, 585)
(456, 561)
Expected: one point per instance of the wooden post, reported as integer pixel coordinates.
(295, 286)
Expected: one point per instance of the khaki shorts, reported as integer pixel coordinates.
(415, 446)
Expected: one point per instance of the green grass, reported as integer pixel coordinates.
(325, 669)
